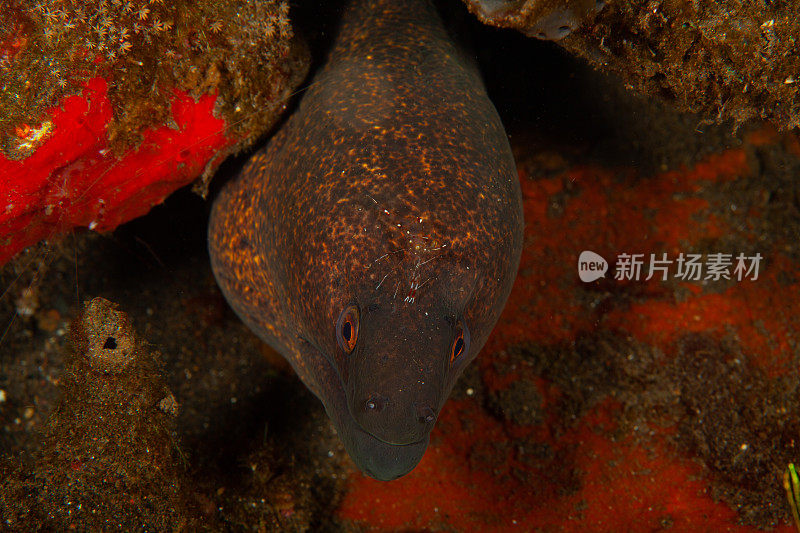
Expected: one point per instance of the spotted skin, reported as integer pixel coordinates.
(391, 191)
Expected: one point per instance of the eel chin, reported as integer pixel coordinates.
(373, 456)
(379, 459)
(376, 458)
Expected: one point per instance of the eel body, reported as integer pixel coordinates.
(374, 241)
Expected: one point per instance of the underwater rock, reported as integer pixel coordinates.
(107, 107)
(544, 19)
(109, 458)
(105, 337)
(727, 61)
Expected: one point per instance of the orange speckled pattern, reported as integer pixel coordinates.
(391, 189)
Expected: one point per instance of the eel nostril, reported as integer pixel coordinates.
(426, 415)
(375, 403)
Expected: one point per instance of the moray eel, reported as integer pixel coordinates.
(374, 241)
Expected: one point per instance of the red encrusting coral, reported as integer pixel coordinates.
(607, 212)
(470, 480)
(73, 179)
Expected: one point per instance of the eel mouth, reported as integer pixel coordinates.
(365, 431)
(375, 457)
(381, 460)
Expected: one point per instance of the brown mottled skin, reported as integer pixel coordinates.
(391, 191)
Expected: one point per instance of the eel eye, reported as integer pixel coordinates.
(347, 328)
(460, 343)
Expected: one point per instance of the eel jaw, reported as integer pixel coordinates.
(381, 460)
(373, 456)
